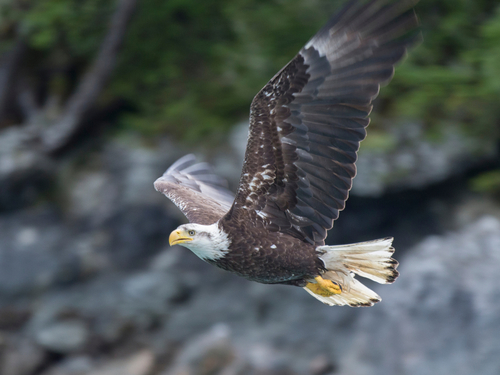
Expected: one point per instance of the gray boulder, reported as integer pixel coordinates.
(25, 172)
(406, 156)
(443, 314)
(63, 337)
(32, 252)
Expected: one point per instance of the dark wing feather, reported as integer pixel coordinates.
(196, 190)
(307, 122)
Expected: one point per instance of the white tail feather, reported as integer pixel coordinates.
(371, 259)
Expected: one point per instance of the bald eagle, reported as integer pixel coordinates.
(306, 125)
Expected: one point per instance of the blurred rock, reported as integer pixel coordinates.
(19, 355)
(321, 365)
(24, 172)
(63, 337)
(79, 365)
(137, 232)
(32, 256)
(273, 328)
(167, 258)
(105, 222)
(139, 363)
(206, 354)
(406, 157)
(14, 316)
(135, 166)
(113, 193)
(93, 196)
(93, 278)
(442, 315)
(119, 175)
(105, 309)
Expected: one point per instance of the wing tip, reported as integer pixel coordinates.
(182, 163)
(159, 184)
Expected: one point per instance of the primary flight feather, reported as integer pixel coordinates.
(306, 125)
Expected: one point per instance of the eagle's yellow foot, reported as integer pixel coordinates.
(324, 287)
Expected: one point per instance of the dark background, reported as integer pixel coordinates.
(99, 97)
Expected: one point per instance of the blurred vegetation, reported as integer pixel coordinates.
(454, 76)
(191, 67)
(487, 182)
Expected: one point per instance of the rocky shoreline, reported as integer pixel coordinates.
(89, 285)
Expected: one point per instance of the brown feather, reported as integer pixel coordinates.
(307, 122)
(196, 190)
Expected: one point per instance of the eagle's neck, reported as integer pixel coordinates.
(211, 244)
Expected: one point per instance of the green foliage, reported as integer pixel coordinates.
(191, 67)
(454, 75)
(64, 36)
(488, 182)
(73, 24)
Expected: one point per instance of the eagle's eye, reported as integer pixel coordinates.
(191, 232)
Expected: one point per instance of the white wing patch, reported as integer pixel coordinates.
(256, 185)
(260, 179)
(178, 201)
(261, 214)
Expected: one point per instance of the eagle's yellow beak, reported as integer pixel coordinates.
(178, 236)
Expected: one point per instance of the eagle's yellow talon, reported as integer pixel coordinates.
(324, 287)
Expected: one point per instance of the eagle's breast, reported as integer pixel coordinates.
(267, 257)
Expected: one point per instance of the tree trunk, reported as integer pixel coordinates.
(9, 67)
(92, 83)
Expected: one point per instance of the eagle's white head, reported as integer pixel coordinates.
(208, 242)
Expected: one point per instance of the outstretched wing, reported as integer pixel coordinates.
(307, 122)
(196, 190)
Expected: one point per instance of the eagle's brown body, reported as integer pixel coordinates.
(306, 125)
(276, 258)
